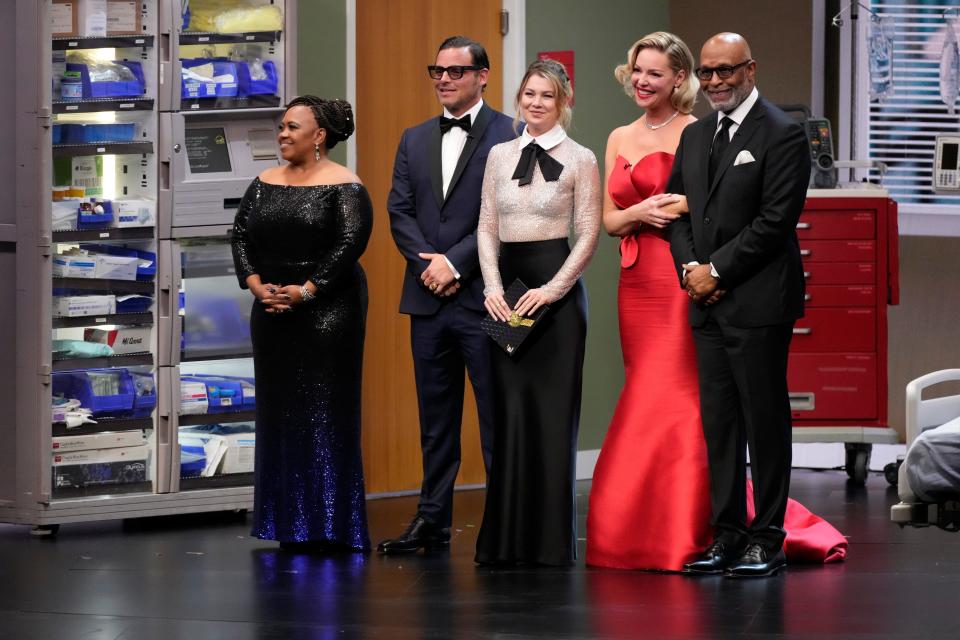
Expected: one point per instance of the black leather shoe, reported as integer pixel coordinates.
(757, 562)
(421, 534)
(714, 560)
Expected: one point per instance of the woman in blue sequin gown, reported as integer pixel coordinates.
(298, 234)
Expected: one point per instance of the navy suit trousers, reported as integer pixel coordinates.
(443, 344)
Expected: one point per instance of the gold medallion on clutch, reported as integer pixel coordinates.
(517, 321)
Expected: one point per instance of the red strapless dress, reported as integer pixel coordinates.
(650, 500)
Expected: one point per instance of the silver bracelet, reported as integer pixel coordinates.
(305, 295)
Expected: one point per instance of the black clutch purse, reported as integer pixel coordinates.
(510, 335)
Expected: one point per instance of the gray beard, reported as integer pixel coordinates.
(736, 99)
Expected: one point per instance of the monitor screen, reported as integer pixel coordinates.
(207, 150)
(948, 156)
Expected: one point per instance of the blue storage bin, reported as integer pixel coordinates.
(89, 220)
(247, 86)
(129, 89)
(224, 393)
(81, 385)
(57, 133)
(147, 272)
(192, 462)
(145, 394)
(134, 303)
(215, 324)
(249, 393)
(86, 133)
(144, 272)
(192, 88)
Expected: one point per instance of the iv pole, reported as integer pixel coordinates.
(854, 10)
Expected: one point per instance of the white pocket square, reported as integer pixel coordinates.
(744, 157)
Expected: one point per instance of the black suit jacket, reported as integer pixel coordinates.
(423, 221)
(745, 221)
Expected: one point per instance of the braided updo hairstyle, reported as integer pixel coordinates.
(333, 116)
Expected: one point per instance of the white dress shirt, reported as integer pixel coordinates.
(737, 115)
(452, 143)
(451, 146)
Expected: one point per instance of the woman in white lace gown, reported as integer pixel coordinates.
(535, 189)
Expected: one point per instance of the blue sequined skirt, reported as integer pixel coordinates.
(309, 471)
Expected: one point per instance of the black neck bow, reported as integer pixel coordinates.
(448, 123)
(531, 155)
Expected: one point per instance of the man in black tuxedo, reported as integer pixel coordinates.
(745, 174)
(434, 206)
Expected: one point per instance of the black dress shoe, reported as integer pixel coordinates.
(757, 562)
(714, 560)
(421, 534)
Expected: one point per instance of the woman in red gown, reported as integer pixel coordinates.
(650, 500)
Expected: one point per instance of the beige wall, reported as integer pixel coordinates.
(779, 34)
(924, 334)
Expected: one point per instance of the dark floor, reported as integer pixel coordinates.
(203, 578)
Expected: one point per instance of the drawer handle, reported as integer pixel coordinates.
(802, 331)
(804, 252)
(803, 225)
(803, 401)
(807, 297)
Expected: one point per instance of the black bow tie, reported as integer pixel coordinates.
(447, 123)
(534, 154)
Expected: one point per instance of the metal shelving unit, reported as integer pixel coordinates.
(143, 168)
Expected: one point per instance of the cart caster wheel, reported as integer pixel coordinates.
(858, 461)
(892, 472)
(45, 530)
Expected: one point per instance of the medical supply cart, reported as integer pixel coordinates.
(132, 134)
(837, 372)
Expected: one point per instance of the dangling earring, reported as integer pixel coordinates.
(316, 151)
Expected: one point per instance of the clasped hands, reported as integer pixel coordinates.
(659, 210)
(527, 305)
(438, 277)
(700, 284)
(277, 298)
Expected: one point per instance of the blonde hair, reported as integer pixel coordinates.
(552, 71)
(680, 59)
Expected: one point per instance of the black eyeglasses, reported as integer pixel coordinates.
(455, 72)
(723, 72)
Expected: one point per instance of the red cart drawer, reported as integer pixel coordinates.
(853, 295)
(833, 386)
(838, 250)
(827, 330)
(836, 225)
(840, 273)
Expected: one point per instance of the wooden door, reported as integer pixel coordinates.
(395, 43)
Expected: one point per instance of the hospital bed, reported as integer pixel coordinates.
(923, 415)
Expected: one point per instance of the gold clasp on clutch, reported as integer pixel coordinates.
(516, 321)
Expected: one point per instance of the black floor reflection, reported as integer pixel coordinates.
(204, 577)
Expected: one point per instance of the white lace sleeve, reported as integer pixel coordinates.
(587, 215)
(488, 227)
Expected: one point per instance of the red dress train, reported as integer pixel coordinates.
(650, 500)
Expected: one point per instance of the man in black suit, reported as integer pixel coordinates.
(745, 174)
(434, 206)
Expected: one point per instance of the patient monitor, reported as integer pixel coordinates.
(946, 164)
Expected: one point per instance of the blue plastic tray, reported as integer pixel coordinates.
(85, 133)
(250, 87)
(132, 88)
(77, 384)
(197, 89)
